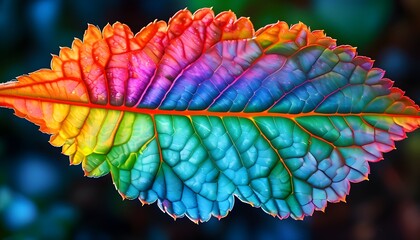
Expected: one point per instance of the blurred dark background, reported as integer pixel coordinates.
(41, 197)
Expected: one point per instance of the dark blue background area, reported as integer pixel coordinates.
(43, 198)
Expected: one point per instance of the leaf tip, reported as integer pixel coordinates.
(174, 216)
(123, 196)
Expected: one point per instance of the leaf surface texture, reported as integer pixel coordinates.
(197, 111)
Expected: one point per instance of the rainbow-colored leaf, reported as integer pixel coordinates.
(197, 111)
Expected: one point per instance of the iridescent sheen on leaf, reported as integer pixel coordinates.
(201, 110)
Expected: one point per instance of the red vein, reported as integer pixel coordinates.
(153, 112)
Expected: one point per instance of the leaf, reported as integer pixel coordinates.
(193, 113)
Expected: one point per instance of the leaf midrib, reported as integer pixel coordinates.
(205, 112)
